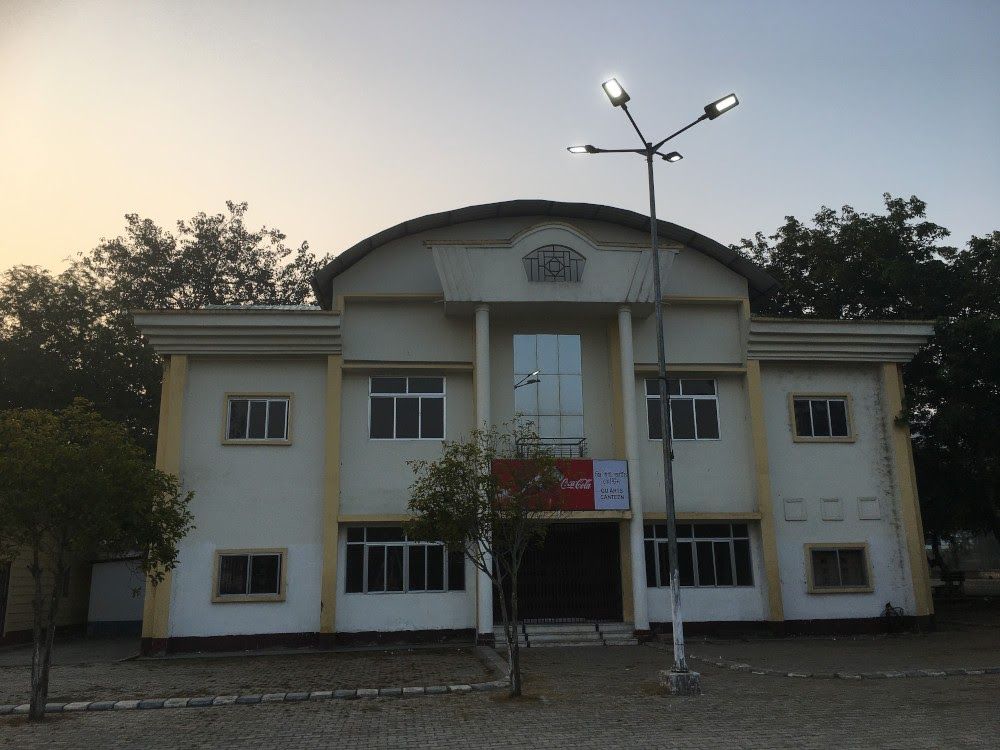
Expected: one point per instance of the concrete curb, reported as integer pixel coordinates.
(885, 675)
(488, 656)
(251, 699)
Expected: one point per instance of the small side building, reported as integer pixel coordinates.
(17, 591)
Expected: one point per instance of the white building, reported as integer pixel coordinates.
(794, 480)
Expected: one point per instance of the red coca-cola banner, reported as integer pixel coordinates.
(587, 484)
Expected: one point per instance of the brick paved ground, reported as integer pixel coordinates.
(973, 649)
(578, 698)
(166, 678)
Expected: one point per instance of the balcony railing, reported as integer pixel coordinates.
(556, 447)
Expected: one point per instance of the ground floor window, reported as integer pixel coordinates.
(249, 575)
(838, 568)
(381, 559)
(708, 554)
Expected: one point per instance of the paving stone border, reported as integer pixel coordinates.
(488, 656)
(734, 666)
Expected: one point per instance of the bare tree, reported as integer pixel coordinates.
(490, 496)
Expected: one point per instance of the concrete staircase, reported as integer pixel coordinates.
(544, 635)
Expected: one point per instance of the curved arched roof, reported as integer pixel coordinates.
(758, 280)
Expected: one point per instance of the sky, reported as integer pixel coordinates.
(335, 120)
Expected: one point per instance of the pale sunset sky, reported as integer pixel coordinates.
(338, 119)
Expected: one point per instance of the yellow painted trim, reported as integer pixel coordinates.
(762, 484)
(707, 516)
(342, 299)
(392, 297)
(796, 438)
(156, 607)
(371, 364)
(245, 598)
(564, 515)
(905, 479)
(617, 395)
(252, 395)
(331, 493)
(625, 555)
(811, 586)
(377, 518)
(694, 299)
(587, 515)
(642, 368)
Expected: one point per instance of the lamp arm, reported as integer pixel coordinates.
(620, 151)
(634, 125)
(656, 147)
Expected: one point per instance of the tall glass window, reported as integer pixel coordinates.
(555, 402)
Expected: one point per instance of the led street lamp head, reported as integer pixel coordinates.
(721, 106)
(588, 149)
(672, 157)
(615, 92)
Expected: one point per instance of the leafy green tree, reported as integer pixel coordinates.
(71, 334)
(895, 265)
(73, 485)
(490, 496)
(859, 265)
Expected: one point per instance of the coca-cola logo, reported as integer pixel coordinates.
(583, 483)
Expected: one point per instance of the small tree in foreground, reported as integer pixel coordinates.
(72, 485)
(489, 496)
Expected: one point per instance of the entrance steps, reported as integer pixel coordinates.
(546, 635)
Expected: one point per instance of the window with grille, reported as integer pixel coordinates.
(694, 409)
(708, 554)
(554, 263)
(406, 408)
(555, 403)
(821, 417)
(249, 575)
(381, 559)
(838, 568)
(257, 419)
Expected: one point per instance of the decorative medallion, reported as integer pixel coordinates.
(554, 263)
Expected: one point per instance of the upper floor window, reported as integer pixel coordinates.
(822, 418)
(257, 418)
(708, 554)
(555, 403)
(406, 408)
(380, 559)
(694, 409)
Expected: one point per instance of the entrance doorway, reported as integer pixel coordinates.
(574, 575)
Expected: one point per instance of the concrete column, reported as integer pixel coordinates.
(484, 587)
(331, 494)
(631, 430)
(156, 607)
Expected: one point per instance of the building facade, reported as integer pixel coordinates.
(794, 479)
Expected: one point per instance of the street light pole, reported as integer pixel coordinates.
(680, 660)
(679, 678)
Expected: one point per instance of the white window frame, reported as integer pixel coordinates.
(267, 397)
(850, 437)
(443, 395)
(405, 543)
(657, 541)
(279, 596)
(681, 395)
